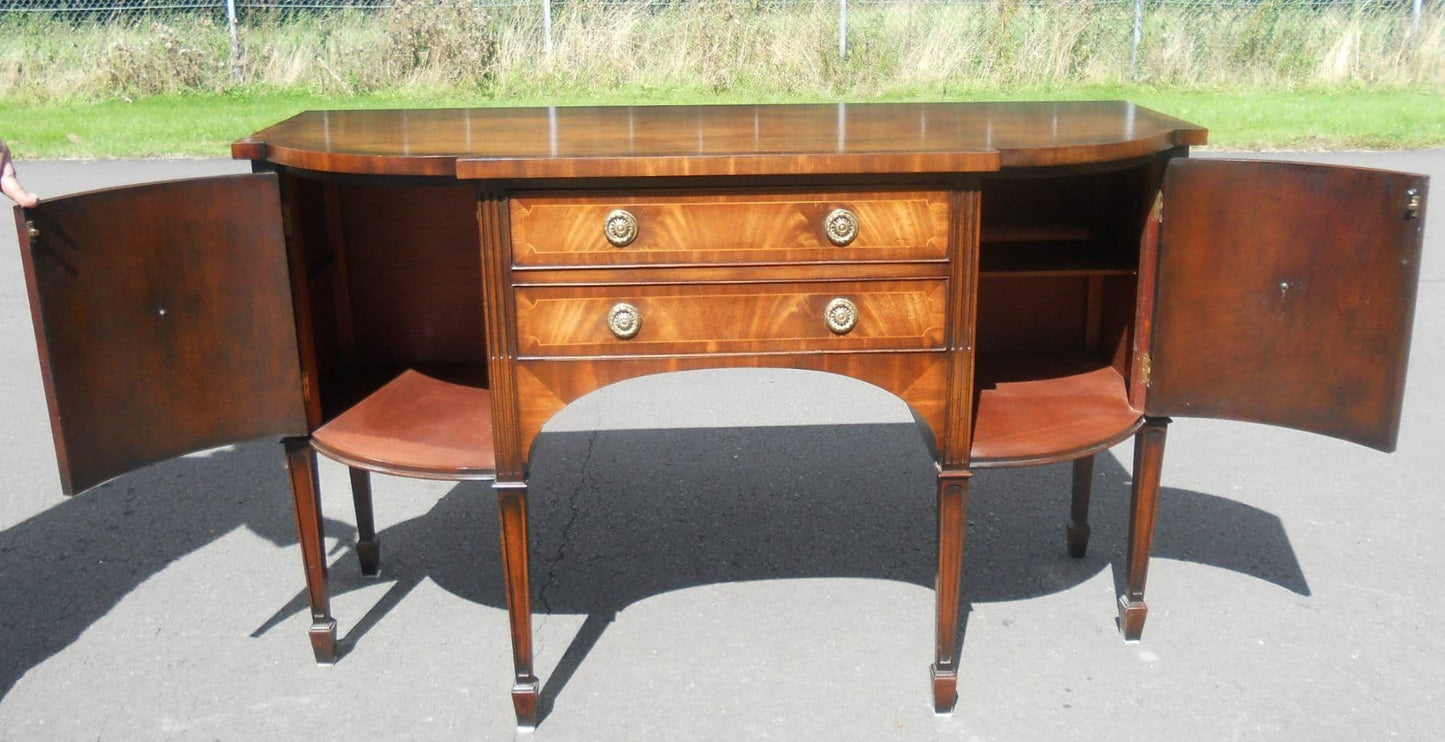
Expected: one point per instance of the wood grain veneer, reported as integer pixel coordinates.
(729, 318)
(693, 141)
(735, 227)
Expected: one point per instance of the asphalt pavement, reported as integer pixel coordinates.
(727, 556)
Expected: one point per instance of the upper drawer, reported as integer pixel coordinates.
(749, 227)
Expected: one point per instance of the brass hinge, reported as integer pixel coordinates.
(1146, 367)
(306, 385)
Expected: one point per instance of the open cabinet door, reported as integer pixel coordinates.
(1285, 296)
(164, 323)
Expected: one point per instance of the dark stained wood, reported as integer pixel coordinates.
(1143, 514)
(368, 547)
(1042, 313)
(413, 274)
(166, 309)
(670, 141)
(424, 425)
(509, 446)
(501, 336)
(1050, 258)
(954, 447)
(1285, 295)
(301, 462)
(1015, 288)
(1041, 408)
(1140, 358)
(656, 275)
(736, 227)
(920, 379)
(730, 318)
(516, 558)
(952, 526)
(1083, 485)
(307, 252)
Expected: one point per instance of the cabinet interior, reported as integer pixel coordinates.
(1057, 302)
(392, 323)
(393, 276)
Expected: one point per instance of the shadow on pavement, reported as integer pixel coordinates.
(653, 511)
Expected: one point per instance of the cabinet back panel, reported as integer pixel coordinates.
(1021, 315)
(414, 274)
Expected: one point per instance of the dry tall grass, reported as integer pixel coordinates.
(725, 45)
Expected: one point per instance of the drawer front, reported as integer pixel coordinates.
(674, 319)
(549, 231)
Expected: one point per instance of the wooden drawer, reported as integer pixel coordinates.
(728, 228)
(679, 319)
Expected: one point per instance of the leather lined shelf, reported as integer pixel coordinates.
(420, 424)
(1039, 407)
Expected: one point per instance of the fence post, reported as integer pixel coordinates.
(1139, 36)
(235, 41)
(547, 27)
(842, 29)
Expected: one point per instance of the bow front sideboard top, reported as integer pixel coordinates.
(417, 292)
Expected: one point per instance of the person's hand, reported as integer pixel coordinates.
(8, 183)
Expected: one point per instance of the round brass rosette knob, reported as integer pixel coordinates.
(624, 321)
(620, 227)
(841, 316)
(842, 227)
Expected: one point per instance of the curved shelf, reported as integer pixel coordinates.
(1040, 408)
(417, 425)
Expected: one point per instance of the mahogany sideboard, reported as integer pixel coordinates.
(417, 292)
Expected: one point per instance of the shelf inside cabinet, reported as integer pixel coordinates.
(434, 424)
(1034, 408)
(1050, 258)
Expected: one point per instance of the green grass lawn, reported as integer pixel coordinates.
(204, 125)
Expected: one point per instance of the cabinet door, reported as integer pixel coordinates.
(164, 323)
(1285, 295)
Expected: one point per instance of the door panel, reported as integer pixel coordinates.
(1285, 296)
(163, 318)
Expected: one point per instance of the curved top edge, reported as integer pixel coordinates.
(734, 140)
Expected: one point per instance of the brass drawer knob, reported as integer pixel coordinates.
(620, 227)
(624, 320)
(841, 316)
(1412, 207)
(842, 227)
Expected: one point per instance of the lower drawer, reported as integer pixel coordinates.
(678, 319)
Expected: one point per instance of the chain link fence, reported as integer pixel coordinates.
(776, 47)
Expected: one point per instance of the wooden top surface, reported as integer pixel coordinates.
(665, 141)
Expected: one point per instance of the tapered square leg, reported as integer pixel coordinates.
(1148, 466)
(368, 546)
(1078, 530)
(301, 463)
(526, 691)
(952, 522)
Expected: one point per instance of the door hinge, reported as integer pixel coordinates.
(306, 385)
(1146, 368)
